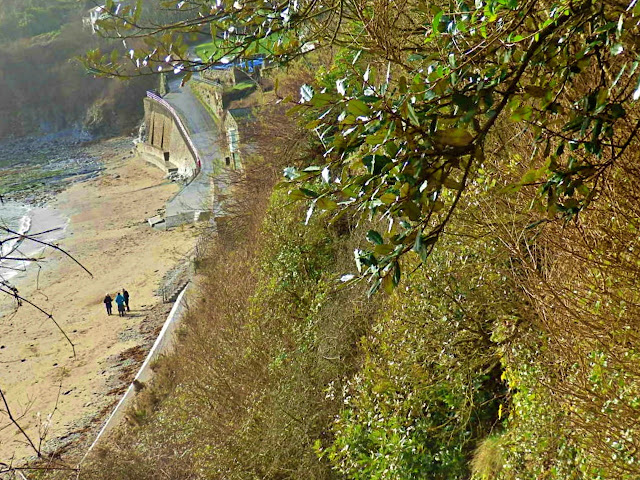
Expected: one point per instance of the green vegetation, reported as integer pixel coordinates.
(478, 159)
(12, 181)
(44, 88)
(207, 50)
(29, 18)
(217, 48)
(243, 86)
(418, 134)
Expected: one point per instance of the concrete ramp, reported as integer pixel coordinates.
(195, 201)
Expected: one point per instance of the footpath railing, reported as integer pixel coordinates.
(175, 280)
(181, 127)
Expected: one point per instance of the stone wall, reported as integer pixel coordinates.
(169, 147)
(210, 94)
(230, 126)
(225, 77)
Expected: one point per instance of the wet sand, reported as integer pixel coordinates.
(107, 232)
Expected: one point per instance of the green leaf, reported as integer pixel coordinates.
(388, 198)
(391, 148)
(617, 110)
(436, 21)
(297, 194)
(308, 193)
(454, 137)
(413, 118)
(387, 284)
(321, 99)
(294, 110)
(324, 203)
(523, 112)
(375, 287)
(452, 183)
(402, 85)
(186, 78)
(606, 28)
(375, 237)
(358, 108)
(376, 138)
(462, 101)
(531, 177)
(636, 92)
(411, 210)
(384, 249)
(437, 206)
(396, 273)
(138, 11)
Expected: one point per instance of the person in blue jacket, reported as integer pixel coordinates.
(120, 303)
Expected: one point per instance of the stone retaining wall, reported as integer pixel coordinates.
(211, 94)
(164, 134)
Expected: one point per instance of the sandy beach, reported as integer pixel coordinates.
(107, 232)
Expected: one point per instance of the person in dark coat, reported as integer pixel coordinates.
(125, 294)
(120, 303)
(108, 303)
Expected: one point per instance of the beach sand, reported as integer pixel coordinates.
(108, 233)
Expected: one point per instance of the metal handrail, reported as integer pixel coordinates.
(181, 127)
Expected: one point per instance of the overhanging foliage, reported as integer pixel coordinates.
(407, 126)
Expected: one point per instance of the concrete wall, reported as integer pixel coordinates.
(156, 156)
(164, 136)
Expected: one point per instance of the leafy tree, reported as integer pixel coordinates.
(407, 128)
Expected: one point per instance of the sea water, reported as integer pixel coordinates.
(22, 237)
(14, 217)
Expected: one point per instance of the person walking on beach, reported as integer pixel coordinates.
(108, 303)
(120, 303)
(125, 294)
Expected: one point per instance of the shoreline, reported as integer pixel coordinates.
(107, 233)
(45, 224)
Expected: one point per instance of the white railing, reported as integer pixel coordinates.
(183, 130)
(163, 344)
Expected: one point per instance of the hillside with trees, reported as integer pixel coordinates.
(444, 283)
(44, 87)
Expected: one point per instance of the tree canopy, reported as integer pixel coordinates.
(407, 116)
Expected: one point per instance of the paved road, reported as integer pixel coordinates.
(198, 195)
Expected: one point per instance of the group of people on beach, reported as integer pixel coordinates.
(122, 300)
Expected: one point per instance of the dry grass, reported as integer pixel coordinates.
(487, 459)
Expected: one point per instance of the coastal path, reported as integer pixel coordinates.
(197, 196)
